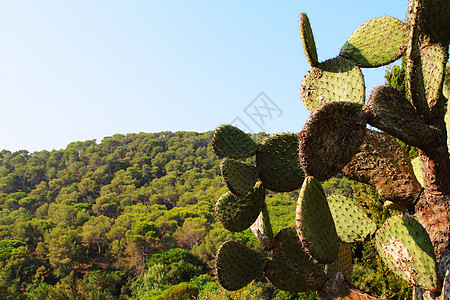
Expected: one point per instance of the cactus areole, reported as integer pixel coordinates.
(415, 246)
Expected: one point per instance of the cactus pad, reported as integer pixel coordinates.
(433, 61)
(394, 206)
(337, 79)
(239, 177)
(389, 108)
(229, 141)
(444, 265)
(262, 229)
(330, 138)
(237, 265)
(446, 286)
(239, 213)
(343, 263)
(446, 85)
(417, 169)
(352, 223)
(377, 42)
(308, 42)
(406, 249)
(446, 93)
(290, 268)
(383, 163)
(278, 163)
(314, 222)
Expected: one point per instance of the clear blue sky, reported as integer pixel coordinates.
(81, 70)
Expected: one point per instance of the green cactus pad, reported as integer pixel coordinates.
(308, 42)
(417, 170)
(262, 229)
(278, 163)
(229, 141)
(377, 42)
(239, 177)
(337, 79)
(239, 213)
(446, 93)
(343, 263)
(446, 85)
(290, 268)
(330, 138)
(352, 223)
(433, 19)
(383, 163)
(406, 248)
(237, 265)
(433, 61)
(314, 222)
(425, 80)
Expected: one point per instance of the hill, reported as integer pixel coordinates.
(87, 221)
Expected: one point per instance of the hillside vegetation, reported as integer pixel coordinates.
(86, 222)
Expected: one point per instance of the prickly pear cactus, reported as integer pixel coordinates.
(237, 265)
(335, 139)
(406, 248)
(278, 163)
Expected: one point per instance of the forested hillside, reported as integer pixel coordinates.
(132, 217)
(86, 221)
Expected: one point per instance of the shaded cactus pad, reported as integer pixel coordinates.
(377, 42)
(337, 79)
(406, 249)
(239, 177)
(237, 265)
(290, 268)
(278, 163)
(343, 263)
(229, 141)
(309, 45)
(352, 223)
(239, 213)
(330, 138)
(314, 223)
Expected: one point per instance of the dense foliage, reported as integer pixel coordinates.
(128, 217)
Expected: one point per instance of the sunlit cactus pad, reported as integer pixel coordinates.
(237, 265)
(309, 45)
(314, 223)
(406, 249)
(352, 223)
(337, 79)
(343, 263)
(239, 177)
(262, 229)
(330, 138)
(433, 61)
(278, 163)
(446, 85)
(239, 213)
(290, 268)
(229, 141)
(377, 42)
